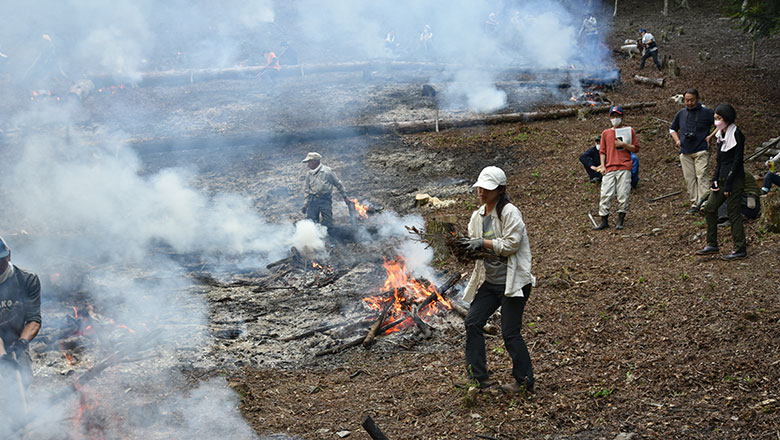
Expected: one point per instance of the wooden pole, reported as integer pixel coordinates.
(372, 429)
(665, 196)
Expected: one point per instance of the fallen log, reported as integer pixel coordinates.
(372, 429)
(369, 339)
(765, 148)
(665, 196)
(657, 82)
(190, 76)
(339, 132)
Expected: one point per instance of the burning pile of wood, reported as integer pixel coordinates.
(403, 303)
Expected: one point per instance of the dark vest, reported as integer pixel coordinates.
(19, 299)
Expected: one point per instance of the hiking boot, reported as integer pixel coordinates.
(724, 223)
(595, 180)
(604, 223)
(734, 256)
(517, 388)
(692, 210)
(474, 383)
(621, 219)
(708, 250)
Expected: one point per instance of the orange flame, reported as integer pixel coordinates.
(407, 292)
(362, 210)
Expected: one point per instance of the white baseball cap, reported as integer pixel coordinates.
(491, 178)
(312, 156)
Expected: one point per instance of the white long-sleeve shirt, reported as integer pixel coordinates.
(512, 242)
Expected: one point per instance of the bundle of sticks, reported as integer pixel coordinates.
(453, 240)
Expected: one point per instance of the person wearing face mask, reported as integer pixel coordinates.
(690, 129)
(617, 144)
(728, 183)
(503, 281)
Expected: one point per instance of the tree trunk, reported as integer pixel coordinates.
(753, 57)
(770, 212)
(666, 8)
(614, 14)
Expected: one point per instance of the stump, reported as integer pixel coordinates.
(770, 211)
(672, 69)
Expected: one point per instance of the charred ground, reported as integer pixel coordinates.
(627, 330)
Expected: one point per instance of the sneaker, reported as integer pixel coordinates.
(708, 250)
(474, 383)
(735, 256)
(692, 210)
(517, 388)
(724, 223)
(595, 180)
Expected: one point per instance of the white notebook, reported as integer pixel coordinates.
(624, 134)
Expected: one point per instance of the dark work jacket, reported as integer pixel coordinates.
(20, 303)
(698, 121)
(731, 163)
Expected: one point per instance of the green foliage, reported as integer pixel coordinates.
(600, 392)
(758, 18)
(535, 174)
(498, 349)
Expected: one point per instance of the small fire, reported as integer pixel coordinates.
(316, 265)
(361, 210)
(407, 292)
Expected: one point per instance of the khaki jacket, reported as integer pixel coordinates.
(511, 242)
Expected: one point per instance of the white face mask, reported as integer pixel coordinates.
(616, 121)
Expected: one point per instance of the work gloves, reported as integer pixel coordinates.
(18, 347)
(471, 244)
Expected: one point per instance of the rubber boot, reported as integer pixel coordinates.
(604, 223)
(621, 218)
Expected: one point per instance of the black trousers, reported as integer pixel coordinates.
(488, 299)
(650, 53)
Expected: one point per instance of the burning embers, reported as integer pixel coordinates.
(405, 297)
(86, 328)
(591, 97)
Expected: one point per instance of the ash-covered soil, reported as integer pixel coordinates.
(628, 331)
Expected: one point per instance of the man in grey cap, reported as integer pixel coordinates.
(20, 316)
(319, 184)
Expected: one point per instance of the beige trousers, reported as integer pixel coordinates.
(694, 168)
(615, 183)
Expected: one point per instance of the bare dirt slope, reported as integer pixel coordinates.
(628, 331)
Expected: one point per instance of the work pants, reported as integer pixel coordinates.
(771, 178)
(734, 206)
(488, 299)
(694, 168)
(615, 183)
(320, 210)
(587, 159)
(650, 53)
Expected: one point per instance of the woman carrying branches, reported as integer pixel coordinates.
(501, 278)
